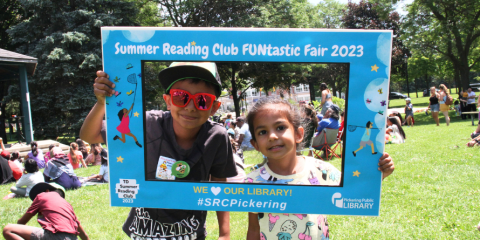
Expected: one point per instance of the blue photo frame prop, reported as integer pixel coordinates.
(368, 54)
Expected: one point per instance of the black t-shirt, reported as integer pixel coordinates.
(6, 174)
(211, 154)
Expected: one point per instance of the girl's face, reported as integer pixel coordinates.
(125, 110)
(275, 136)
(389, 123)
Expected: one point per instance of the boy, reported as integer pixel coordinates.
(55, 215)
(184, 134)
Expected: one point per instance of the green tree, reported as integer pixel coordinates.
(65, 38)
(449, 27)
(364, 15)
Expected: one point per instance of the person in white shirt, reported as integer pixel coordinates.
(30, 177)
(471, 107)
(245, 135)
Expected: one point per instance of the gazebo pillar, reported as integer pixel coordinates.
(25, 98)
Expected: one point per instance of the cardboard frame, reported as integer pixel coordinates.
(367, 52)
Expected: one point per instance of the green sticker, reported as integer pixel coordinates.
(180, 169)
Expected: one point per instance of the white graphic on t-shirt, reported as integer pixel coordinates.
(144, 227)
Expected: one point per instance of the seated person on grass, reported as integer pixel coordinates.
(30, 178)
(192, 90)
(55, 215)
(330, 119)
(60, 171)
(103, 175)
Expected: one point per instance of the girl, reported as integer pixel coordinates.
(83, 147)
(444, 93)
(36, 154)
(395, 130)
(310, 122)
(326, 98)
(30, 177)
(49, 154)
(276, 131)
(409, 112)
(15, 157)
(434, 106)
(75, 157)
(94, 157)
(123, 127)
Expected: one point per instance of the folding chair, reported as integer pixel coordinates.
(338, 144)
(323, 142)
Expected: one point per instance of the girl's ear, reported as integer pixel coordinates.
(166, 98)
(299, 134)
(254, 144)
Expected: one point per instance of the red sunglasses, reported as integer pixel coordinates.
(181, 98)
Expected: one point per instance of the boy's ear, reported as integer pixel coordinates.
(166, 98)
(216, 105)
(299, 134)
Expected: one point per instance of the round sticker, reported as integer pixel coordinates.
(180, 169)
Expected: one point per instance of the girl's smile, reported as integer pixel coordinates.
(275, 136)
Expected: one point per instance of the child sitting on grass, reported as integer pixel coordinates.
(276, 131)
(192, 90)
(55, 215)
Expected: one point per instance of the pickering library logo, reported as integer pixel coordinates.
(355, 203)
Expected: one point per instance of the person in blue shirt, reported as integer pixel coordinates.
(330, 119)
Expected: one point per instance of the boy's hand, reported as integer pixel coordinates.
(103, 87)
(386, 165)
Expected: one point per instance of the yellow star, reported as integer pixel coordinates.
(375, 68)
(356, 173)
(120, 159)
(136, 114)
(194, 43)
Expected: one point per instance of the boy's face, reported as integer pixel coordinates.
(189, 117)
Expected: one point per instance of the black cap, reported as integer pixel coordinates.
(206, 71)
(42, 187)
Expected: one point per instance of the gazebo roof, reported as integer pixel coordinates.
(9, 62)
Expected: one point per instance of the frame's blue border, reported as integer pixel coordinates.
(367, 52)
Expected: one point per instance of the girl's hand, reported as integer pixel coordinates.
(103, 87)
(386, 165)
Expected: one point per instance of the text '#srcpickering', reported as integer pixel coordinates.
(215, 202)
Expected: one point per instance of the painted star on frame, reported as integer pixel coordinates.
(194, 43)
(136, 114)
(356, 174)
(374, 68)
(120, 159)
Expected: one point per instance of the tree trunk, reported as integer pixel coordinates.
(235, 93)
(416, 91)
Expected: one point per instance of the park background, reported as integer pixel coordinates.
(432, 194)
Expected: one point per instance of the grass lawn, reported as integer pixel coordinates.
(433, 194)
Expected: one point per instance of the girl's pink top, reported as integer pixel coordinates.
(79, 158)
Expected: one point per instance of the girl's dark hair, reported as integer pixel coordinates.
(334, 115)
(31, 166)
(120, 114)
(397, 114)
(233, 124)
(310, 113)
(323, 86)
(290, 111)
(14, 156)
(399, 126)
(103, 155)
(94, 150)
(82, 148)
(50, 147)
(34, 145)
(368, 123)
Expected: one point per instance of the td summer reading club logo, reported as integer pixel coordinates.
(355, 203)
